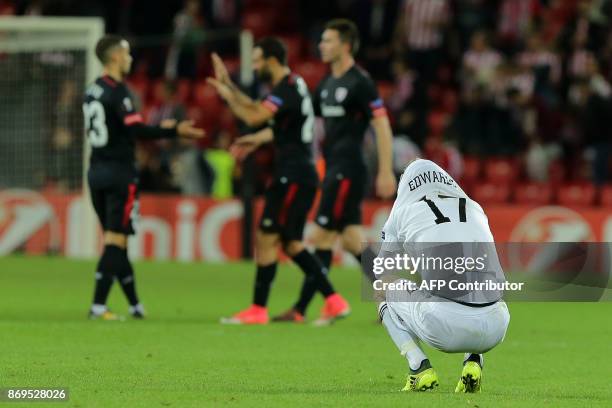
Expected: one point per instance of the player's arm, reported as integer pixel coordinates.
(222, 76)
(245, 145)
(385, 180)
(373, 106)
(251, 112)
(136, 127)
(169, 130)
(265, 135)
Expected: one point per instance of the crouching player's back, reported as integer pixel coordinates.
(434, 221)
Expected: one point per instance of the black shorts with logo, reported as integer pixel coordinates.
(114, 194)
(287, 204)
(343, 190)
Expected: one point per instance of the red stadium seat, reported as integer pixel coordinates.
(206, 97)
(312, 71)
(146, 112)
(232, 65)
(294, 48)
(491, 193)
(157, 91)
(449, 101)
(606, 195)
(228, 122)
(7, 9)
(259, 21)
(203, 119)
(385, 89)
(183, 90)
(437, 121)
(501, 170)
(140, 89)
(533, 193)
(434, 93)
(556, 172)
(577, 194)
(472, 168)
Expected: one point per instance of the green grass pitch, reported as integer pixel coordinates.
(554, 355)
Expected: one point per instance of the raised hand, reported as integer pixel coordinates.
(222, 89)
(221, 73)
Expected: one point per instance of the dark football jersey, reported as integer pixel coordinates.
(109, 110)
(293, 127)
(347, 104)
(112, 123)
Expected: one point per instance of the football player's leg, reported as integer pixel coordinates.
(293, 233)
(310, 265)
(267, 241)
(266, 259)
(324, 241)
(422, 376)
(124, 210)
(328, 219)
(353, 240)
(494, 326)
(336, 306)
(404, 339)
(292, 222)
(471, 374)
(323, 238)
(104, 269)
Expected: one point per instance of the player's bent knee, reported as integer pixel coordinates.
(266, 247)
(266, 239)
(293, 248)
(322, 238)
(115, 238)
(352, 237)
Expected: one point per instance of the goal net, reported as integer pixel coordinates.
(45, 64)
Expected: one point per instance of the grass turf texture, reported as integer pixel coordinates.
(555, 355)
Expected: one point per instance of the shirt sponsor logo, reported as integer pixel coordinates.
(332, 111)
(341, 93)
(127, 103)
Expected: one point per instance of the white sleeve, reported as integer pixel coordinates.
(389, 241)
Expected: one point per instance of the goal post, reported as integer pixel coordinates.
(45, 65)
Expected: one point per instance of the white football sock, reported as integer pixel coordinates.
(405, 341)
(137, 308)
(98, 309)
(481, 358)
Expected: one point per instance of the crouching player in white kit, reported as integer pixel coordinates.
(431, 208)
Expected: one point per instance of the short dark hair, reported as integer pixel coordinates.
(273, 47)
(105, 44)
(349, 34)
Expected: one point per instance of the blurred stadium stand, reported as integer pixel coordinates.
(520, 87)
